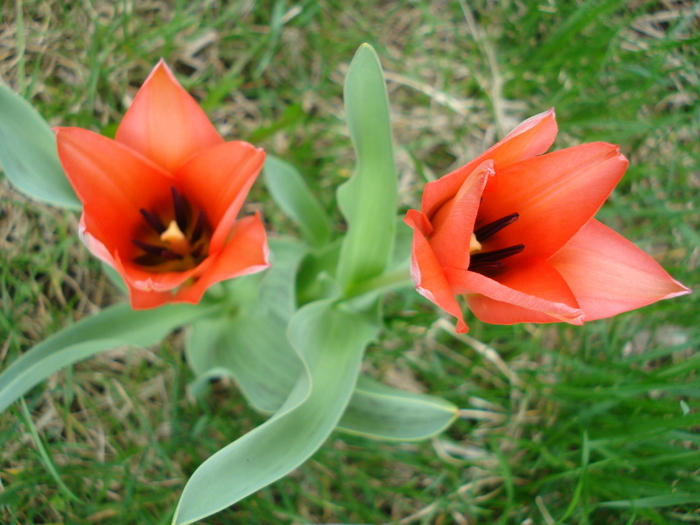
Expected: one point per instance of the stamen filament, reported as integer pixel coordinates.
(496, 255)
(153, 220)
(167, 254)
(484, 266)
(492, 228)
(198, 228)
(180, 206)
(148, 248)
(179, 246)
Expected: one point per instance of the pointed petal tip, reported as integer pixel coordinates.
(418, 221)
(164, 122)
(163, 66)
(610, 275)
(605, 148)
(546, 119)
(682, 290)
(462, 327)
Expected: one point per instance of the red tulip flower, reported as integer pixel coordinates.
(160, 202)
(513, 233)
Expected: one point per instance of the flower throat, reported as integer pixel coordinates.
(174, 244)
(483, 262)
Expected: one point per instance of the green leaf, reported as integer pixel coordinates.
(249, 342)
(278, 289)
(316, 279)
(291, 193)
(116, 279)
(331, 340)
(28, 153)
(251, 348)
(383, 412)
(368, 200)
(113, 327)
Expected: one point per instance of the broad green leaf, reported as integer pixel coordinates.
(331, 340)
(368, 200)
(249, 342)
(291, 193)
(383, 412)
(403, 239)
(115, 326)
(28, 153)
(397, 275)
(316, 279)
(278, 290)
(265, 368)
(250, 347)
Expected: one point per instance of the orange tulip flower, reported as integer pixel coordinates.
(513, 233)
(160, 201)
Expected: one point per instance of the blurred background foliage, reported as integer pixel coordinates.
(560, 424)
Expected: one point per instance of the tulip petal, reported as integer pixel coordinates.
(95, 247)
(609, 275)
(455, 220)
(246, 252)
(143, 300)
(532, 292)
(165, 123)
(218, 181)
(427, 273)
(142, 279)
(555, 195)
(112, 181)
(530, 138)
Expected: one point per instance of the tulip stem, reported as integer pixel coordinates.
(398, 278)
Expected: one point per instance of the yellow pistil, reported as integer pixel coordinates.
(474, 245)
(177, 242)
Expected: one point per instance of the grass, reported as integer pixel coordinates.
(586, 420)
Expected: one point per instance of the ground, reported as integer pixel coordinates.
(560, 424)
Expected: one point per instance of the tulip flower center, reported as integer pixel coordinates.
(179, 246)
(485, 262)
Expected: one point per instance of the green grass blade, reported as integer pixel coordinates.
(368, 200)
(331, 340)
(45, 457)
(28, 153)
(654, 501)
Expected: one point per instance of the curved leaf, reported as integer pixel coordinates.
(379, 411)
(331, 341)
(28, 153)
(113, 327)
(249, 343)
(368, 200)
(252, 348)
(278, 290)
(291, 193)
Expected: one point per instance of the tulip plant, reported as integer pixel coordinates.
(511, 234)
